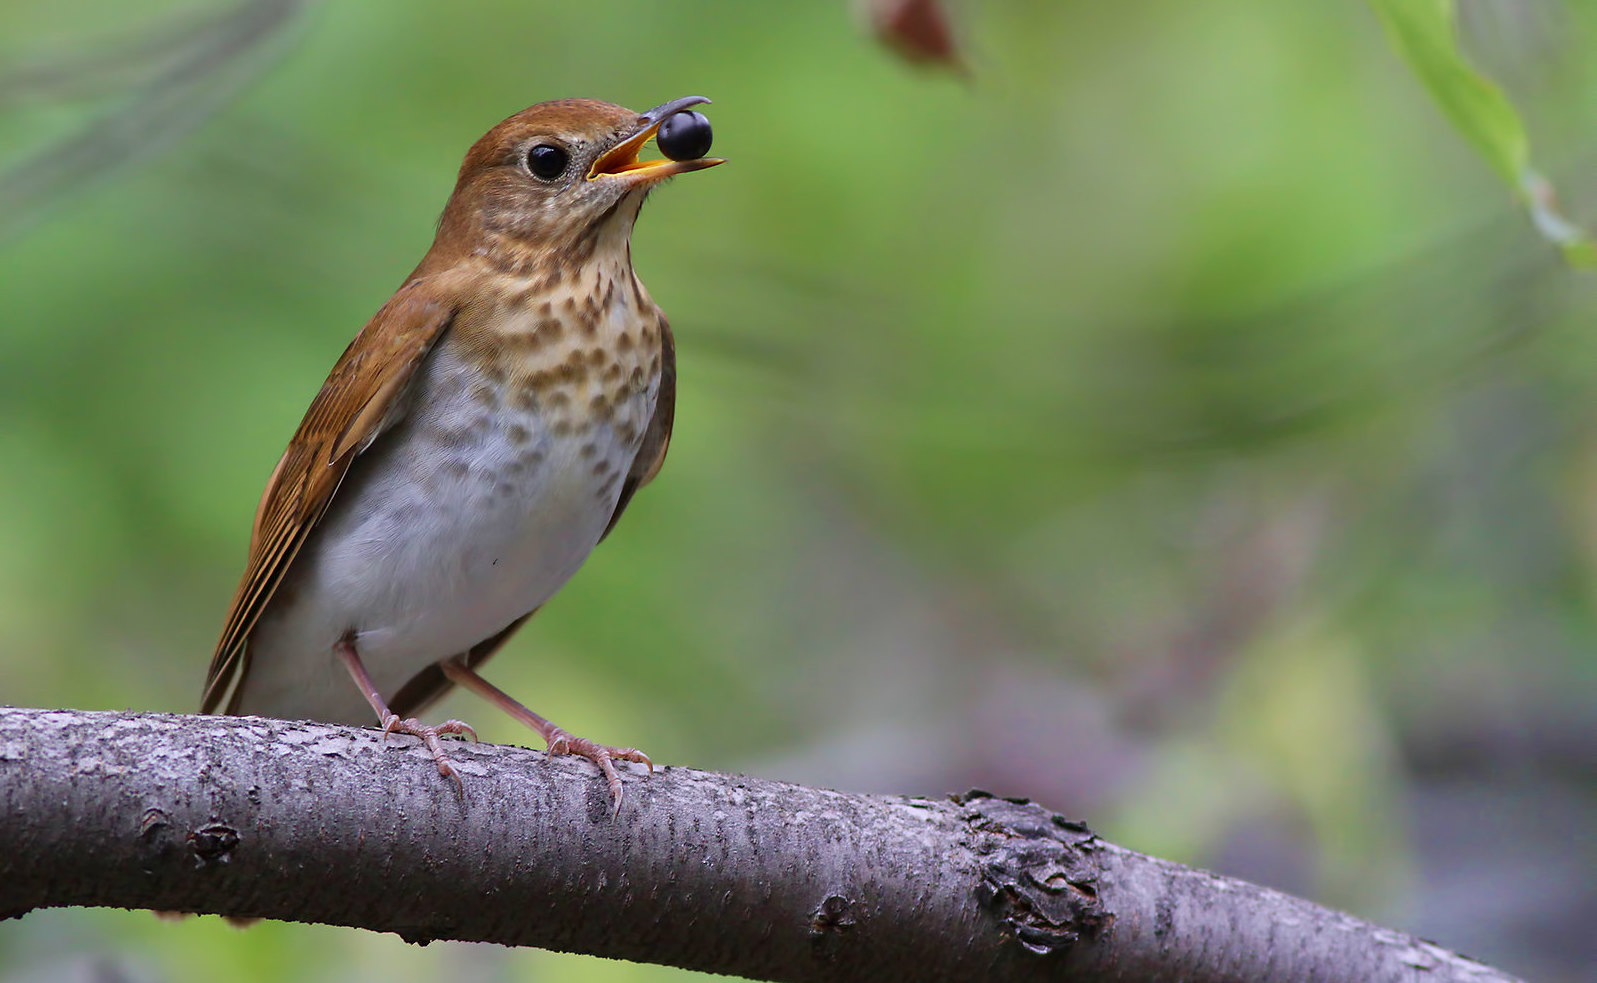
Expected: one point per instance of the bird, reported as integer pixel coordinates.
(477, 439)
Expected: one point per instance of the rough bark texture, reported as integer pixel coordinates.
(314, 823)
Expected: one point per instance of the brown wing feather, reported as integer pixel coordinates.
(430, 685)
(361, 398)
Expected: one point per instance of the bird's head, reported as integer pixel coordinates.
(563, 174)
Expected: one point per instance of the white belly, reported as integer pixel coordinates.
(465, 516)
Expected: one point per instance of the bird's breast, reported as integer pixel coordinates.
(582, 355)
(520, 435)
(483, 499)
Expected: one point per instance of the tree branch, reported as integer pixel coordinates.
(314, 823)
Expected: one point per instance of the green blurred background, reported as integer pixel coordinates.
(1175, 422)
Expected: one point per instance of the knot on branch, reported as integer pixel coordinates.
(1039, 873)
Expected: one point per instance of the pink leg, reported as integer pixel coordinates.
(410, 725)
(559, 740)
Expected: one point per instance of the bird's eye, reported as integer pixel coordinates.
(547, 162)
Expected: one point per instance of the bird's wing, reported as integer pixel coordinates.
(362, 397)
(429, 685)
(657, 436)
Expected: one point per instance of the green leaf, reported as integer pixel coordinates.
(1425, 34)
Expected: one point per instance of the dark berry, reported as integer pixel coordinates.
(684, 136)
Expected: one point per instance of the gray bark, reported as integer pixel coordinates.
(314, 823)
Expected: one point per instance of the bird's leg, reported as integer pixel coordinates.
(390, 721)
(560, 741)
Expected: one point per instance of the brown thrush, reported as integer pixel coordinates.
(476, 440)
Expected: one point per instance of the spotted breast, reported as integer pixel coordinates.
(481, 502)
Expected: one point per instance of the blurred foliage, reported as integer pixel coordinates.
(1172, 420)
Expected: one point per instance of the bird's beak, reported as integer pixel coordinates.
(622, 159)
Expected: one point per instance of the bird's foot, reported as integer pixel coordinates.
(561, 741)
(432, 737)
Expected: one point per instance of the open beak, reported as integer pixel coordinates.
(622, 159)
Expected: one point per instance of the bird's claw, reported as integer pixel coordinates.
(431, 737)
(562, 741)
